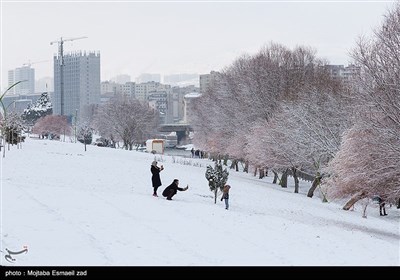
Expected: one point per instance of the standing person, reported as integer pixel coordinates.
(225, 195)
(382, 209)
(172, 189)
(155, 178)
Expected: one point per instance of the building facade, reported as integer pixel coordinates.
(207, 79)
(81, 84)
(26, 74)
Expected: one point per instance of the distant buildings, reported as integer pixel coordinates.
(190, 100)
(167, 100)
(121, 79)
(112, 88)
(18, 103)
(346, 74)
(25, 74)
(181, 79)
(81, 84)
(146, 77)
(207, 79)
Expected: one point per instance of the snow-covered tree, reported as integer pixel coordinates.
(368, 161)
(313, 128)
(42, 107)
(85, 133)
(217, 178)
(9, 127)
(253, 89)
(12, 128)
(126, 119)
(365, 167)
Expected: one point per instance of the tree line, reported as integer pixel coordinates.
(280, 110)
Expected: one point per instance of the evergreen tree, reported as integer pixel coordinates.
(41, 108)
(217, 178)
(85, 134)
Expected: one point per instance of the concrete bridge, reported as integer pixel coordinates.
(182, 130)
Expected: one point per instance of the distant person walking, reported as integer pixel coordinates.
(172, 189)
(225, 195)
(155, 178)
(382, 209)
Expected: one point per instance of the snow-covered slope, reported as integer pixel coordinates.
(71, 207)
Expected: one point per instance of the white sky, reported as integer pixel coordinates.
(71, 207)
(177, 37)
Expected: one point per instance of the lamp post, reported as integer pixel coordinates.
(76, 119)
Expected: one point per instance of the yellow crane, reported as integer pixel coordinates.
(61, 58)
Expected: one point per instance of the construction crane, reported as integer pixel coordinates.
(61, 59)
(29, 63)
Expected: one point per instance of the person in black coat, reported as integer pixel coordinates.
(382, 209)
(172, 189)
(155, 179)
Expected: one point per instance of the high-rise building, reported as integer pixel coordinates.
(26, 74)
(81, 84)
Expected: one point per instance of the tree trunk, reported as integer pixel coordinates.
(85, 144)
(233, 164)
(283, 182)
(262, 174)
(353, 200)
(296, 180)
(314, 185)
(365, 209)
(226, 160)
(275, 177)
(215, 195)
(255, 171)
(246, 166)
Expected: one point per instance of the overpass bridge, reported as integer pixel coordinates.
(182, 130)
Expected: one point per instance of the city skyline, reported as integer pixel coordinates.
(177, 37)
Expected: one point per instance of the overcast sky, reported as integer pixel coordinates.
(178, 37)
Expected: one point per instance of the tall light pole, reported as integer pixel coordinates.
(76, 120)
(61, 58)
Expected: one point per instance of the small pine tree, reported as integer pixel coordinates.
(85, 134)
(216, 178)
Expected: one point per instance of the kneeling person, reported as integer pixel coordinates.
(172, 189)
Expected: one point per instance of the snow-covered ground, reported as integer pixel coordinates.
(71, 207)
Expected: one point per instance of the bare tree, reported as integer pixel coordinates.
(126, 119)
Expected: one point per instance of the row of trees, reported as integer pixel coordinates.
(122, 119)
(276, 110)
(368, 162)
(281, 110)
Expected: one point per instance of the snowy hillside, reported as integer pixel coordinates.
(71, 207)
